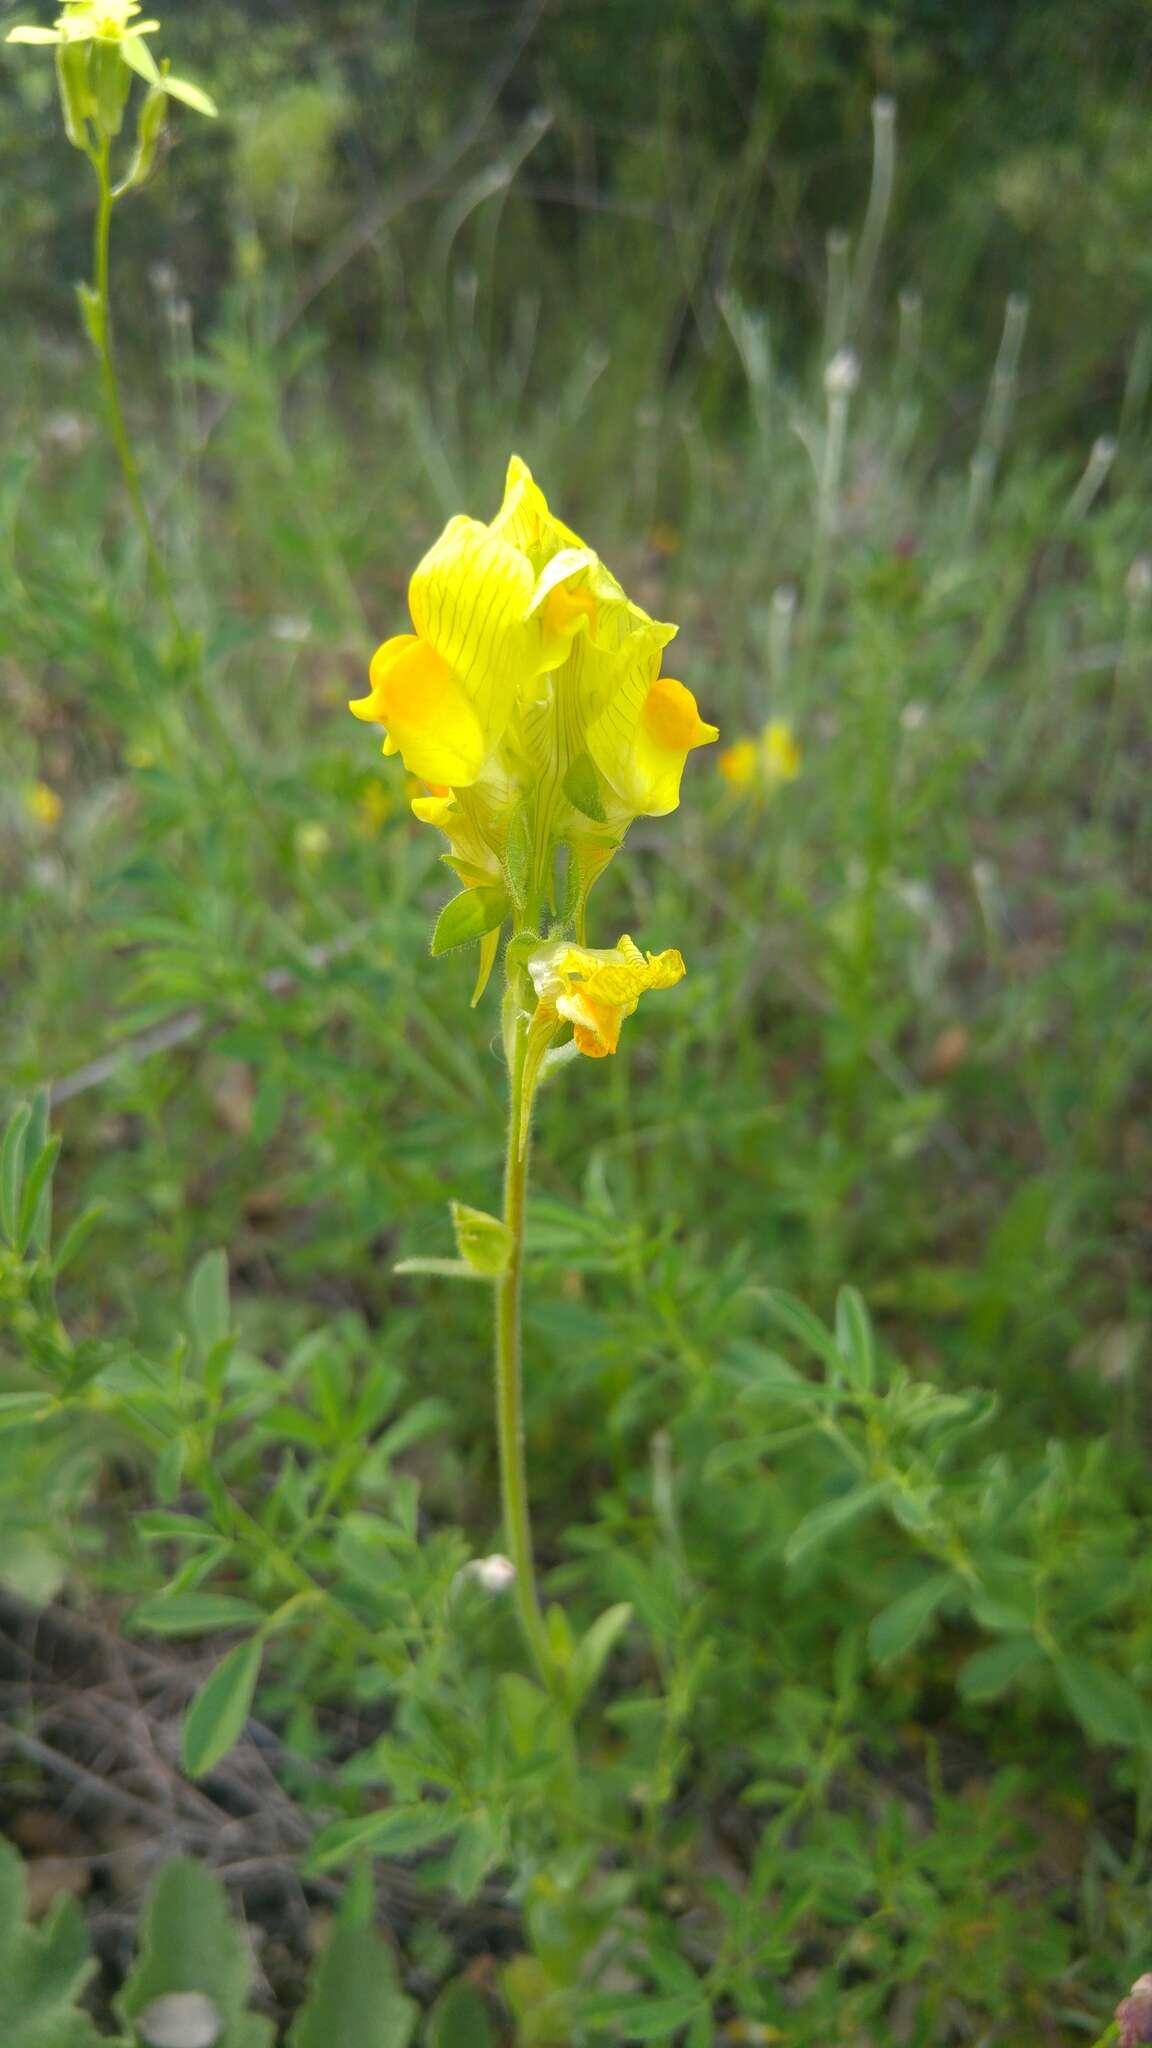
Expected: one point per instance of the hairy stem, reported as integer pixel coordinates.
(509, 1396)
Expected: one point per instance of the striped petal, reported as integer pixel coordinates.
(646, 730)
(470, 600)
(430, 719)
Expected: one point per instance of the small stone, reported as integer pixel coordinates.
(181, 2019)
(1134, 2015)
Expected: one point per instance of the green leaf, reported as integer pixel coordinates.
(460, 2018)
(190, 1942)
(898, 1627)
(355, 2000)
(825, 1522)
(42, 1969)
(483, 1241)
(18, 1409)
(995, 1670)
(440, 1269)
(644, 2019)
(195, 1614)
(92, 315)
(798, 1319)
(76, 1236)
(593, 1650)
(215, 1720)
(396, 1831)
(32, 35)
(12, 1170)
(469, 916)
(208, 1307)
(855, 1340)
(1107, 1706)
(36, 1200)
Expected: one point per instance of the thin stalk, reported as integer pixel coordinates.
(509, 1374)
(101, 330)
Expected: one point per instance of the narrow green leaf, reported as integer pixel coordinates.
(469, 916)
(18, 1409)
(995, 1670)
(825, 1522)
(593, 1650)
(395, 1831)
(644, 2019)
(76, 1236)
(1107, 1706)
(191, 95)
(195, 1614)
(208, 1307)
(12, 1170)
(855, 1340)
(35, 1200)
(215, 1720)
(899, 1627)
(440, 1269)
(798, 1319)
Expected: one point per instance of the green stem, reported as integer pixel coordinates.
(509, 1395)
(110, 385)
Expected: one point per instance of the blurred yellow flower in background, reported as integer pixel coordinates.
(42, 803)
(761, 765)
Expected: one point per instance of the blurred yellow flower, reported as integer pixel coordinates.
(764, 763)
(42, 803)
(594, 989)
(375, 806)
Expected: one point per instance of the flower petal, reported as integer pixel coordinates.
(469, 600)
(32, 35)
(429, 718)
(646, 729)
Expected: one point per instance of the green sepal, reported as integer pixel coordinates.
(470, 916)
(518, 850)
(582, 789)
(111, 82)
(149, 128)
(482, 1240)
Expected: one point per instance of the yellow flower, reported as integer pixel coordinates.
(528, 697)
(780, 751)
(112, 24)
(42, 803)
(594, 989)
(762, 763)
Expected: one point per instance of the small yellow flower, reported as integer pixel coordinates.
(594, 989)
(738, 764)
(762, 764)
(42, 803)
(781, 753)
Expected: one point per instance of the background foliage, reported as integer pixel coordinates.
(871, 1759)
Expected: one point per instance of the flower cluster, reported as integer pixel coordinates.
(528, 699)
(99, 44)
